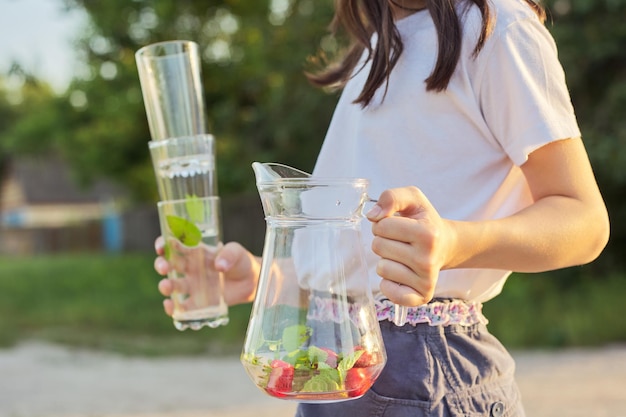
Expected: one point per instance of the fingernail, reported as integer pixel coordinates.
(161, 265)
(374, 212)
(222, 264)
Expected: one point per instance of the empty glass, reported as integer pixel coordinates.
(171, 84)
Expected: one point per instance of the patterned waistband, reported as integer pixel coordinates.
(439, 312)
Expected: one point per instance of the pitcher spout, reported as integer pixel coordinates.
(271, 171)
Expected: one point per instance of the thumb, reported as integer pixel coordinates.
(405, 201)
(386, 206)
(231, 256)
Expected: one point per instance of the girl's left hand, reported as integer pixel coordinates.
(414, 243)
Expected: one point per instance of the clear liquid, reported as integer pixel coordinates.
(204, 303)
(181, 177)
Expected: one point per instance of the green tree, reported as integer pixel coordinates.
(260, 106)
(591, 35)
(27, 109)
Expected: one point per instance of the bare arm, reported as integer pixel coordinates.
(566, 225)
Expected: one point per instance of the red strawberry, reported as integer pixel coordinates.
(331, 360)
(365, 360)
(357, 382)
(280, 379)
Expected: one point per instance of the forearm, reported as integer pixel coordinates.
(554, 232)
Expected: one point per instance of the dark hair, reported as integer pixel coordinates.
(362, 18)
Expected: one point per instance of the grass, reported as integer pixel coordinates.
(111, 302)
(100, 301)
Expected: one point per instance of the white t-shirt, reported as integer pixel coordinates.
(462, 147)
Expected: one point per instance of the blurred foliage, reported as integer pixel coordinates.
(557, 309)
(591, 35)
(260, 106)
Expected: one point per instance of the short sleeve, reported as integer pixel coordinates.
(523, 92)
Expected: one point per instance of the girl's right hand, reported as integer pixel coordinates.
(239, 266)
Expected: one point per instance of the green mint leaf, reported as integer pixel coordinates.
(317, 355)
(295, 336)
(299, 358)
(184, 230)
(348, 362)
(331, 374)
(195, 209)
(324, 382)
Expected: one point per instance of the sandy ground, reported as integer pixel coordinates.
(40, 380)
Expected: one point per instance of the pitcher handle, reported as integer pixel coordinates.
(400, 312)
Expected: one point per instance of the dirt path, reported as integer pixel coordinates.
(39, 380)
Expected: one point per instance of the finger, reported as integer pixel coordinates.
(403, 263)
(407, 201)
(159, 245)
(166, 287)
(229, 256)
(161, 265)
(409, 285)
(400, 252)
(180, 286)
(177, 262)
(396, 272)
(168, 306)
(404, 240)
(402, 294)
(402, 229)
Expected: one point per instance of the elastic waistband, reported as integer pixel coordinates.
(438, 312)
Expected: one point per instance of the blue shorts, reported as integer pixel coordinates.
(435, 371)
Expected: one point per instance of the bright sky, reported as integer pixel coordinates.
(38, 34)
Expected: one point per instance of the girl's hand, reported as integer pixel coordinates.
(413, 242)
(240, 269)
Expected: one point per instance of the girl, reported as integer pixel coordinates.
(458, 113)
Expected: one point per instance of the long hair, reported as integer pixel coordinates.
(360, 19)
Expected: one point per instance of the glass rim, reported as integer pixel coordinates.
(147, 51)
(163, 203)
(200, 137)
(316, 181)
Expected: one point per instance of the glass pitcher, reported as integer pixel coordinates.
(313, 335)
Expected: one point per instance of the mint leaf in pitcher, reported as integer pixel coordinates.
(188, 233)
(295, 336)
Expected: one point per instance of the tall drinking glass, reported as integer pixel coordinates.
(171, 85)
(183, 156)
(184, 167)
(191, 229)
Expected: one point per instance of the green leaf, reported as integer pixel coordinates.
(348, 362)
(195, 209)
(331, 373)
(317, 355)
(295, 336)
(326, 381)
(299, 358)
(184, 230)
